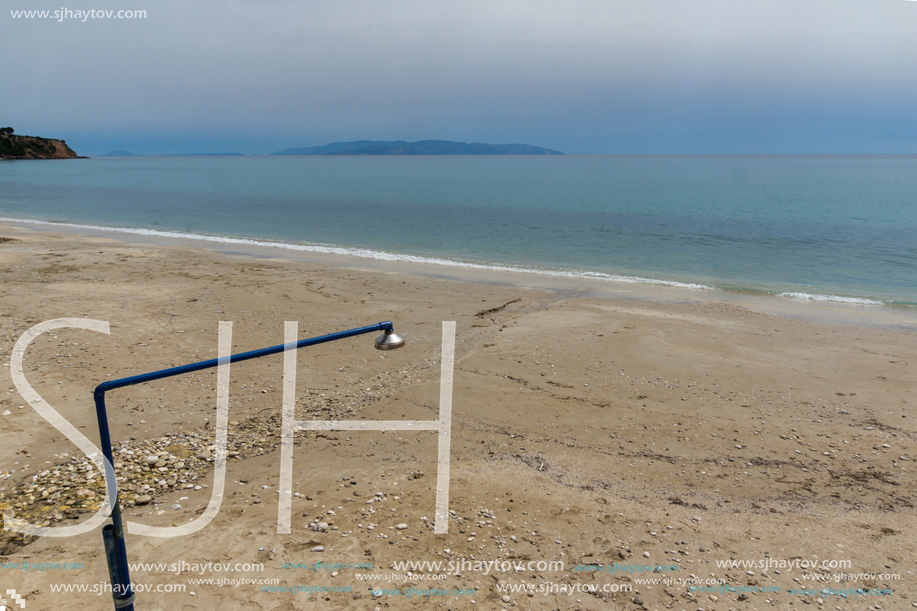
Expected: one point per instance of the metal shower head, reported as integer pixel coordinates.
(389, 341)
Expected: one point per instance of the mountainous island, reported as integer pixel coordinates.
(423, 147)
(14, 146)
(118, 153)
(123, 153)
(205, 155)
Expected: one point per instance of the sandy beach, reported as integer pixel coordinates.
(665, 453)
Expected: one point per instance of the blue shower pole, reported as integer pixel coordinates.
(113, 534)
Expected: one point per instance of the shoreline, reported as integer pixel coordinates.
(803, 306)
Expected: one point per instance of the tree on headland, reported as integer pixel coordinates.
(6, 130)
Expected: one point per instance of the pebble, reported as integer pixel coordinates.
(318, 548)
(402, 526)
(146, 469)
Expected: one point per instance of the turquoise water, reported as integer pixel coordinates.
(804, 227)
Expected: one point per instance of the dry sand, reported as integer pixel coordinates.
(586, 429)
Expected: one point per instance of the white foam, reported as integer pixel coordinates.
(836, 298)
(370, 254)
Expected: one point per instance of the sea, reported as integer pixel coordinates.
(803, 228)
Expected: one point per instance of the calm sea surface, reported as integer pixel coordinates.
(805, 227)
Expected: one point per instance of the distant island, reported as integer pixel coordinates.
(119, 153)
(205, 155)
(423, 147)
(123, 153)
(13, 146)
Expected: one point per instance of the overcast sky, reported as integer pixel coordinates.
(581, 76)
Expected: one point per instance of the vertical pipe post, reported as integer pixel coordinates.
(113, 534)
